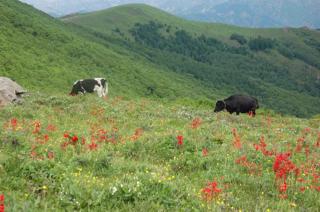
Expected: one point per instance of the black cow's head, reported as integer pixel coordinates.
(76, 88)
(220, 105)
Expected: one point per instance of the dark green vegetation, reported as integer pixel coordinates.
(146, 52)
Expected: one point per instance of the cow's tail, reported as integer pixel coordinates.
(257, 103)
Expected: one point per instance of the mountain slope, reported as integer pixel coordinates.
(42, 53)
(256, 13)
(279, 66)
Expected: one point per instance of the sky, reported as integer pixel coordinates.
(251, 13)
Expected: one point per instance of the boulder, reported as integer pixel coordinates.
(10, 91)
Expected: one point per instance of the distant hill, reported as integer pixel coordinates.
(249, 13)
(257, 13)
(43, 54)
(279, 66)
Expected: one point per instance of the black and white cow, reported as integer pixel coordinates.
(99, 85)
(238, 104)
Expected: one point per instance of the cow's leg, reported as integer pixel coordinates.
(103, 92)
(99, 91)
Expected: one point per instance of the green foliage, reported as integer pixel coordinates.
(261, 44)
(239, 38)
(199, 48)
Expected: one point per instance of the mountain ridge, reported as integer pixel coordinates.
(248, 13)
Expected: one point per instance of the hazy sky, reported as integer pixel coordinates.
(252, 13)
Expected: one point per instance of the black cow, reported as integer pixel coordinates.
(238, 104)
(83, 86)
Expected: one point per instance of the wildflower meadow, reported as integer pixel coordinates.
(88, 154)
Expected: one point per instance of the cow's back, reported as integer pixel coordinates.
(241, 101)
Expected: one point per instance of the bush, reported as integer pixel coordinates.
(241, 39)
(261, 44)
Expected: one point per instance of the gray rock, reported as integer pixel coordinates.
(10, 91)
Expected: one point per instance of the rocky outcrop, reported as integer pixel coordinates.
(10, 91)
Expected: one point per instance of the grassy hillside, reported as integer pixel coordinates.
(64, 153)
(135, 150)
(43, 54)
(279, 66)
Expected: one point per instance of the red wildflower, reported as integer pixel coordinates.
(51, 128)
(2, 207)
(37, 127)
(250, 114)
(262, 146)
(283, 187)
(300, 144)
(50, 155)
(283, 166)
(64, 145)
(301, 180)
(317, 144)
(46, 137)
(307, 130)
(196, 123)
(211, 191)
(74, 139)
(180, 140)
(302, 189)
(236, 139)
(33, 154)
(14, 123)
(241, 159)
(204, 152)
(66, 135)
(283, 196)
(137, 134)
(1, 198)
(93, 146)
(83, 141)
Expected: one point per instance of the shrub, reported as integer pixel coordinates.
(241, 39)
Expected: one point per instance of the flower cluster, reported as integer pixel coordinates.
(2, 203)
(196, 123)
(211, 191)
(262, 146)
(296, 168)
(236, 139)
(179, 140)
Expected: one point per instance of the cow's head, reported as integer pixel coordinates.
(220, 105)
(76, 88)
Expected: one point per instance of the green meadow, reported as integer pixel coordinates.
(84, 153)
(155, 143)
